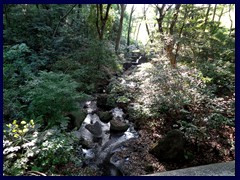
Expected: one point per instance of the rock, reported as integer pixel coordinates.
(88, 138)
(105, 116)
(76, 118)
(102, 101)
(127, 65)
(95, 129)
(119, 126)
(91, 107)
(171, 148)
(118, 113)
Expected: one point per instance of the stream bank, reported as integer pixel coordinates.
(133, 94)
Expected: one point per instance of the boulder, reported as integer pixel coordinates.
(105, 116)
(118, 126)
(95, 129)
(102, 101)
(76, 118)
(171, 148)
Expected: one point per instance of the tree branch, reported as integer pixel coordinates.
(62, 18)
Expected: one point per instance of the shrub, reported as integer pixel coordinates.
(50, 95)
(20, 65)
(94, 56)
(19, 146)
(25, 148)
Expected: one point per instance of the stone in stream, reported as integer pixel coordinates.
(91, 107)
(171, 148)
(102, 101)
(105, 116)
(95, 129)
(118, 126)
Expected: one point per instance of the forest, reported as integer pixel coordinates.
(117, 89)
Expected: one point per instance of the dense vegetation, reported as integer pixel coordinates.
(57, 56)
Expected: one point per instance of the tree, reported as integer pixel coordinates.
(162, 12)
(123, 7)
(145, 19)
(129, 25)
(231, 21)
(101, 19)
(214, 12)
(174, 19)
(206, 17)
(62, 18)
(170, 40)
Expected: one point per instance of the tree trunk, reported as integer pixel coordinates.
(230, 18)
(169, 45)
(119, 34)
(175, 16)
(138, 30)
(129, 25)
(220, 16)
(6, 10)
(145, 19)
(206, 18)
(162, 13)
(214, 12)
(103, 19)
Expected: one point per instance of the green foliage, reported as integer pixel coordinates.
(50, 95)
(123, 99)
(95, 57)
(19, 146)
(222, 76)
(217, 120)
(17, 69)
(25, 148)
(56, 149)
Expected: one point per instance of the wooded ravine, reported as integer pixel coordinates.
(117, 89)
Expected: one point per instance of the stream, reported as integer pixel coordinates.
(101, 142)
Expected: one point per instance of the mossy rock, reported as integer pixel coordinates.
(105, 116)
(118, 126)
(77, 117)
(171, 148)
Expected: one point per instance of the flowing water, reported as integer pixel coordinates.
(100, 149)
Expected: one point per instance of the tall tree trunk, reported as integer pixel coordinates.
(206, 18)
(170, 40)
(103, 19)
(138, 30)
(145, 19)
(119, 34)
(129, 25)
(220, 16)
(230, 18)
(6, 10)
(169, 46)
(175, 16)
(162, 13)
(214, 12)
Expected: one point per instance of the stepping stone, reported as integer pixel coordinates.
(95, 129)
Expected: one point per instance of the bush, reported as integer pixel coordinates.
(94, 56)
(19, 146)
(20, 65)
(25, 148)
(56, 148)
(50, 96)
